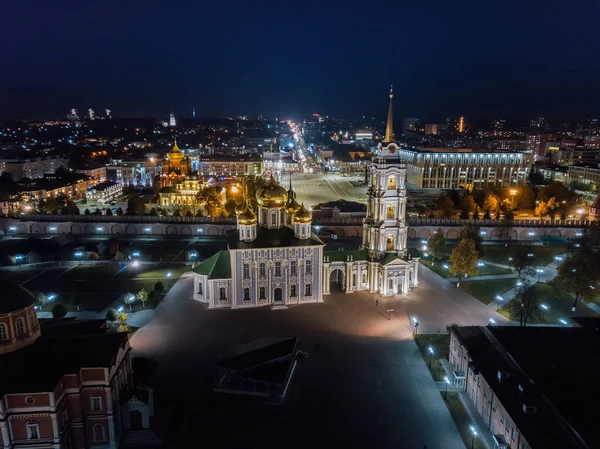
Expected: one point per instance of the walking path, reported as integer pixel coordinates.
(484, 278)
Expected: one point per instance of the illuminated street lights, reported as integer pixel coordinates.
(431, 351)
(389, 311)
(479, 265)
(169, 278)
(447, 381)
(474, 432)
(539, 271)
(544, 308)
(416, 324)
(513, 192)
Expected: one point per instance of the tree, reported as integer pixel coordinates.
(142, 296)
(468, 205)
(469, 231)
(159, 287)
(210, 198)
(189, 213)
(491, 202)
(86, 211)
(59, 311)
(577, 276)
(153, 212)
(41, 300)
(135, 206)
(463, 260)
(526, 198)
(129, 299)
(436, 246)
(536, 178)
(97, 212)
(544, 209)
(446, 206)
(119, 212)
(523, 261)
(111, 315)
(69, 208)
(109, 213)
(122, 317)
(525, 306)
(94, 256)
(176, 213)
(49, 205)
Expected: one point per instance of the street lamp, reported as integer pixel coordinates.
(513, 192)
(492, 321)
(169, 277)
(563, 321)
(389, 311)
(480, 264)
(474, 432)
(447, 381)
(416, 324)
(431, 351)
(544, 308)
(539, 271)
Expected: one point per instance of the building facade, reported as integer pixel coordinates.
(443, 168)
(274, 259)
(231, 166)
(104, 192)
(139, 173)
(586, 173)
(181, 193)
(32, 168)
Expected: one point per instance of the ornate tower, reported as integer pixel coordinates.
(302, 223)
(271, 199)
(384, 228)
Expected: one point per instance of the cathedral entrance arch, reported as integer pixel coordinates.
(278, 295)
(337, 279)
(136, 419)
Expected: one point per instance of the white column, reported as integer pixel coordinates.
(111, 432)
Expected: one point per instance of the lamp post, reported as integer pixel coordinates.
(447, 381)
(416, 323)
(169, 278)
(389, 311)
(544, 308)
(539, 271)
(479, 265)
(431, 351)
(474, 432)
(513, 192)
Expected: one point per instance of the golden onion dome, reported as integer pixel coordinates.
(272, 195)
(247, 217)
(292, 207)
(176, 154)
(303, 215)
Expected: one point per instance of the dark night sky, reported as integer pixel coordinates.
(511, 58)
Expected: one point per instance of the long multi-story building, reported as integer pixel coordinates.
(587, 173)
(446, 168)
(222, 165)
(531, 386)
(104, 192)
(140, 172)
(32, 167)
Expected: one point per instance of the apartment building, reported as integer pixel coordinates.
(530, 385)
(225, 165)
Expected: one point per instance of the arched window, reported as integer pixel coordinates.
(353, 279)
(20, 327)
(222, 294)
(293, 265)
(364, 278)
(98, 432)
(246, 271)
(200, 289)
(308, 266)
(307, 290)
(246, 294)
(391, 182)
(262, 293)
(389, 244)
(262, 269)
(277, 268)
(274, 218)
(390, 211)
(3, 333)
(292, 290)
(391, 285)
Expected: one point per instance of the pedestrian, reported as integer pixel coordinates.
(376, 302)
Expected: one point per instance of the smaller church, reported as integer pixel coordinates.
(274, 259)
(178, 185)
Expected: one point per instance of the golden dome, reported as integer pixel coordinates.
(272, 195)
(303, 215)
(176, 154)
(292, 207)
(247, 217)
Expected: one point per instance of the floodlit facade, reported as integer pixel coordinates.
(443, 168)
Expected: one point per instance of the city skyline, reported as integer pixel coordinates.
(145, 59)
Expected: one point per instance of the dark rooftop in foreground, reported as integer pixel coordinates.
(556, 367)
(14, 297)
(60, 350)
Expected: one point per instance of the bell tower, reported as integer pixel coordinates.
(384, 228)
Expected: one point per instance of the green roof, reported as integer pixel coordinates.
(340, 256)
(215, 267)
(389, 257)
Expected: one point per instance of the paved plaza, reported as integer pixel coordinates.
(317, 188)
(365, 385)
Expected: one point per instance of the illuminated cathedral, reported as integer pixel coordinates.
(274, 259)
(178, 185)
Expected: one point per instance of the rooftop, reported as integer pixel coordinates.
(57, 353)
(556, 368)
(271, 238)
(215, 267)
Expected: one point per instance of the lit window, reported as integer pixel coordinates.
(3, 333)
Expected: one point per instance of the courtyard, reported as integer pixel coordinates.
(364, 384)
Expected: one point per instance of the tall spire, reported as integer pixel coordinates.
(389, 127)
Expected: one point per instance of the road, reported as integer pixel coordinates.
(366, 386)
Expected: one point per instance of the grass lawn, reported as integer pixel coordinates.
(438, 268)
(462, 421)
(559, 306)
(544, 255)
(486, 291)
(440, 344)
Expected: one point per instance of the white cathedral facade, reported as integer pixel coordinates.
(274, 259)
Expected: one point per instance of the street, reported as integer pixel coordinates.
(366, 385)
(315, 188)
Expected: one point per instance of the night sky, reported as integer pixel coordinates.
(481, 59)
